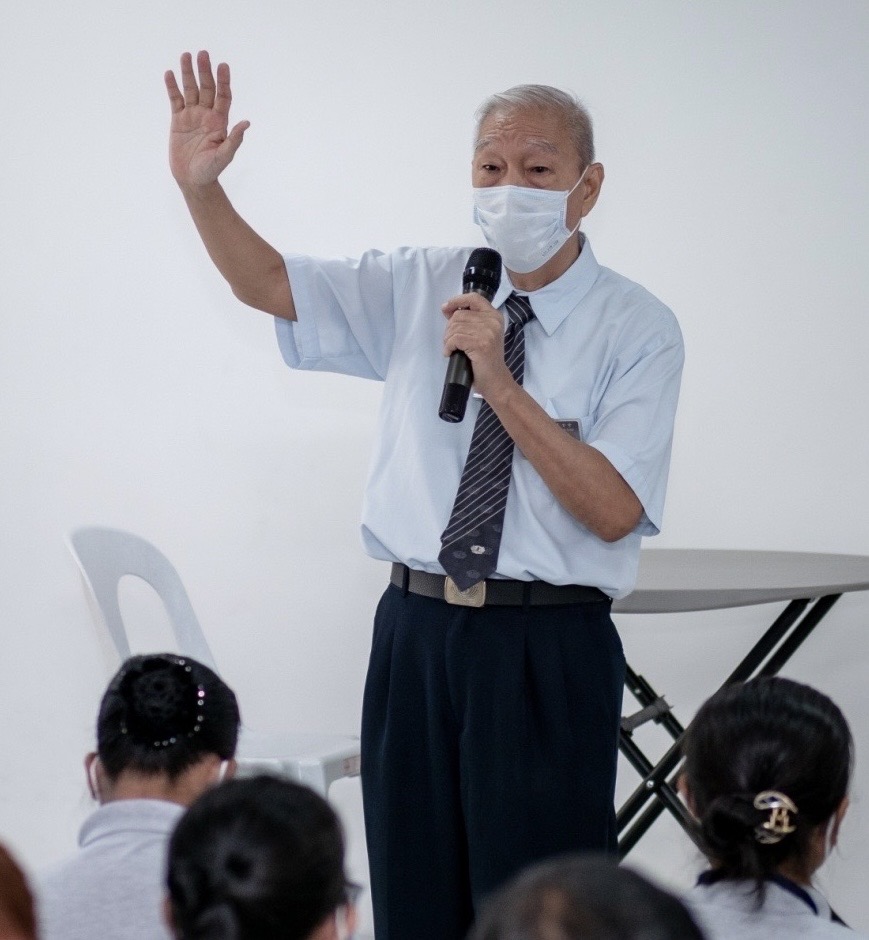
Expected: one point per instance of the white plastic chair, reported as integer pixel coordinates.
(104, 556)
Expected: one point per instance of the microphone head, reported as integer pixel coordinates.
(482, 273)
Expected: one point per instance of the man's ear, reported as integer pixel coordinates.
(591, 187)
(91, 761)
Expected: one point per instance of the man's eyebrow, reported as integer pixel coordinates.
(533, 143)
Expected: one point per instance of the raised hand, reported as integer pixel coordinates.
(199, 146)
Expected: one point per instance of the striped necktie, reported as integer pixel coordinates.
(472, 538)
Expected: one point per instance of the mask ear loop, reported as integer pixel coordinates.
(342, 930)
(92, 779)
(221, 771)
(569, 194)
(830, 838)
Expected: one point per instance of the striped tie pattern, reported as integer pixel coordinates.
(472, 538)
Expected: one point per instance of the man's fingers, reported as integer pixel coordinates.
(206, 80)
(203, 92)
(188, 81)
(226, 151)
(176, 99)
(224, 95)
(470, 333)
(466, 302)
(234, 138)
(471, 344)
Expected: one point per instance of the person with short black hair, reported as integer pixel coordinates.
(766, 774)
(583, 898)
(167, 730)
(259, 859)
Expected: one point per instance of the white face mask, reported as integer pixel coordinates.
(525, 225)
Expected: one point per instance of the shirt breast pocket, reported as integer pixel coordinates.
(562, 530)
(577, 425)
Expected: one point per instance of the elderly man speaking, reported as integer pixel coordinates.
(492, 703)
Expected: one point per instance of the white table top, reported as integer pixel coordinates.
(676, 579)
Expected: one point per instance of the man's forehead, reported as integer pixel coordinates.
(540, 144)
(532, 129)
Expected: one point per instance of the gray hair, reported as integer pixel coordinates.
(544, 97)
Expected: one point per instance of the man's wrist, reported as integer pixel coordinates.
(201, 192)
(503, 394)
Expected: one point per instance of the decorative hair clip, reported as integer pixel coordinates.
(779, 823)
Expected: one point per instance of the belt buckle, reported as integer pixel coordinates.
(474, 596)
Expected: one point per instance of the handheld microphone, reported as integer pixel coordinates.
(482, 276)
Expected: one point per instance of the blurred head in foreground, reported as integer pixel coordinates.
(259, 859)
(17, 917)
(583, 898)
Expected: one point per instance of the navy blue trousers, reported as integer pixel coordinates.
(489, 741)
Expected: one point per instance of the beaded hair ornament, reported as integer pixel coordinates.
(174, 706)
(778, 824)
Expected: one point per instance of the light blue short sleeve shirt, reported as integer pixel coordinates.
(601, 351)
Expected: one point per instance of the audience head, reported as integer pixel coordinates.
(165, 721)
(17, 917)
(766, 774)
(583, 898)
(259, 859)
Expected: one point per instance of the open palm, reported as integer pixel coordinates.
(199, 146)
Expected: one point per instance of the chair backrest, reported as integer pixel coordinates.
(104, 556)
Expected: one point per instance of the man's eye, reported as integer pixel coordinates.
(539, 169)
(489, 167)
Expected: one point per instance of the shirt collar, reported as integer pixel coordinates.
(157, 816)
(553, 303)
(812, 898)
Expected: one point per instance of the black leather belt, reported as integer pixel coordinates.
(497, 592)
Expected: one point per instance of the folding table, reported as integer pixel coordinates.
(681, 580)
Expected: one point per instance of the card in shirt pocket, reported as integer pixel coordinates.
(575, 427)
(571, 425)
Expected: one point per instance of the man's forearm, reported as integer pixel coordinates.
(253, 268)
(585, 483)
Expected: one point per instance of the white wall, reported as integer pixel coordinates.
(136, 392)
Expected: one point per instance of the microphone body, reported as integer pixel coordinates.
(482, 276)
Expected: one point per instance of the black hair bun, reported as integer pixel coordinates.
(163, 702)
(730, 821)
(217, 922)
